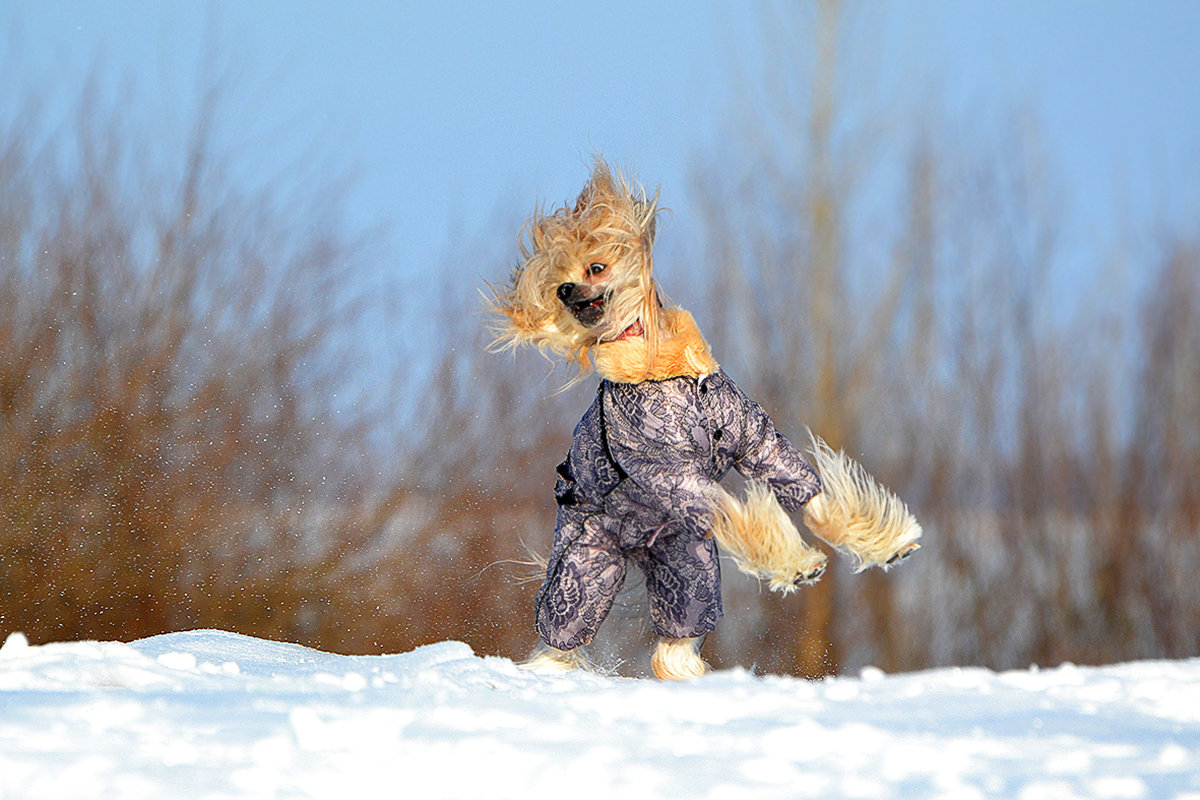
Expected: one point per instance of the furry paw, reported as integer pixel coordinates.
(810, 577)
(678, 659)
(904, 553)
(548, 660)
(763, 541)
(857, 515)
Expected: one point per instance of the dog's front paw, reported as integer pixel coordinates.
(810, 577)
(904, 553)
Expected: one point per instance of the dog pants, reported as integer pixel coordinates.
(587, 569)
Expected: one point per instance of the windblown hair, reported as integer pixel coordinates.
(611, 222)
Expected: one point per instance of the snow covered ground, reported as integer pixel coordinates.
(208, 714)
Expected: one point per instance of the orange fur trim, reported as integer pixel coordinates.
(680, 350)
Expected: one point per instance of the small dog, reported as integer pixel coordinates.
(641, 480)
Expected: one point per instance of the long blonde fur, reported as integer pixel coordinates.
(763, 541)
(855, 514)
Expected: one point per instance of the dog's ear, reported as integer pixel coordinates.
(603, 187)
(608, 187)
(646, 213)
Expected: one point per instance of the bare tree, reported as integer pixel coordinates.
(919, 320)
(171, 344)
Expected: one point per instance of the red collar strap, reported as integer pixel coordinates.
(634, 330)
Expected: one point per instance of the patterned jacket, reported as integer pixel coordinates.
(652, 453)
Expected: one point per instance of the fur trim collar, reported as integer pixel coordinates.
(681, 351)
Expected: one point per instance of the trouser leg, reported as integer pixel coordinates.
(585, 572)
(683, 582)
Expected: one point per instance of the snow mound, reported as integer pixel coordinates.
(208, 714)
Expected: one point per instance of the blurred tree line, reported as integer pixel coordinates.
(185, 440)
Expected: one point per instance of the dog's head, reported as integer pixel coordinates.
(585, 275)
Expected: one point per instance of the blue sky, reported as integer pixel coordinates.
(448, 110)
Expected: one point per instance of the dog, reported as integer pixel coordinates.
(641, 481)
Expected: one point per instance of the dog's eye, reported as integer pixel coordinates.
(596, 268)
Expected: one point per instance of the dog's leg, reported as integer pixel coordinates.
(545, 658)
(763, 541)
(678, 659)
(856, 514)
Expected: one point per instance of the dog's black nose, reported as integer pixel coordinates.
(565, 290)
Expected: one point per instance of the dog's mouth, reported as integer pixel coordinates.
(587, 308)
(589, 313)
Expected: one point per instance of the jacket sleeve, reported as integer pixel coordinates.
(768, 456)
(657, 439)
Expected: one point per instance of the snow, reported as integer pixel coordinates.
(208, 714)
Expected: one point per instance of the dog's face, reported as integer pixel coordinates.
(585, 275)
(586, 298)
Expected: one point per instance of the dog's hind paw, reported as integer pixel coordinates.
(904, 553)
(678, 659)
(550, 660)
